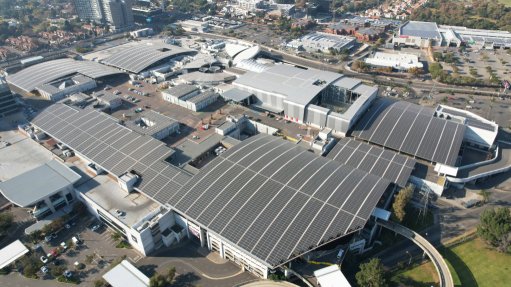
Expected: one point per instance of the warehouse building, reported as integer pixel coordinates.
(44, 189)
(201, 101)
(139, 56)
(29, 79)
(487, 39)
(418, 34)
(107, 99)
(137, 162)
(288, 90)
(399, 62)
(249, 203)
(180, 93)
(59, 89)
(323, 42)
(153, 124)
(429, 34)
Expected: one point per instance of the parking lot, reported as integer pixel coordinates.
(475, 63)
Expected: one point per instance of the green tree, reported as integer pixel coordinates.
(158, 280)
(100, 283)
(401, 201)
(436, 70)
(371, 274)
(485, 194)
(171, 274)
(495, 228)
(57, 271)
(360, 66)
(116, 236)
(6, 220)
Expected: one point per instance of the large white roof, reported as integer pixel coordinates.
(38, 183)
(125, 274)
(297, 85)
(331, 276)
(11, 252)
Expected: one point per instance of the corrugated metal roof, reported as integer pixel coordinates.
(30, 78)
(38, 183)
(426, 30)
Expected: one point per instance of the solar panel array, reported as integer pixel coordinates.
(373, 159)
(138, 58)
(276, 200)
(411, 129)
(30, 78)
(115, 148)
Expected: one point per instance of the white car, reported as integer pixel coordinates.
(44, 259)
(44, 269)
(63, 245)
(95, 227)
(67, 274)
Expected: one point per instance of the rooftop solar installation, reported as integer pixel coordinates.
(426, 30)
(30, 78)
(411, 129)
(137, 58)
(275, 200)
(117, 149)
(373, 159)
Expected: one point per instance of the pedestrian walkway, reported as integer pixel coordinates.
(438, 261)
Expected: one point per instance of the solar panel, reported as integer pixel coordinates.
(117, 149)
(407, 128)
(373, 159)
(264, 205)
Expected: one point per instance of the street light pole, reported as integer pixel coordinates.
(409, 261)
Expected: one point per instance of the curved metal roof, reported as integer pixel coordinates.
(136, 58)
(30, 78)
(275, 200)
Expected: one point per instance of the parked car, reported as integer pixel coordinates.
(119, 212)
(76, 240)
(63, 245)
(95, 227)
(68, 274)
(48, 238)
(44, 259)
(44, 269)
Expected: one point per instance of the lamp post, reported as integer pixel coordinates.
(409, 261)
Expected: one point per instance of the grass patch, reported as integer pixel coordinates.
(423, 275)
(478, 265)
(72, 280)
(471, 263)
(505, 2)
(123, 244)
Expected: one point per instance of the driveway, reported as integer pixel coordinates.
(194, 267)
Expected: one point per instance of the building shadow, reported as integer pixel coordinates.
(148, 269)
(466, 277)
(186, 279)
